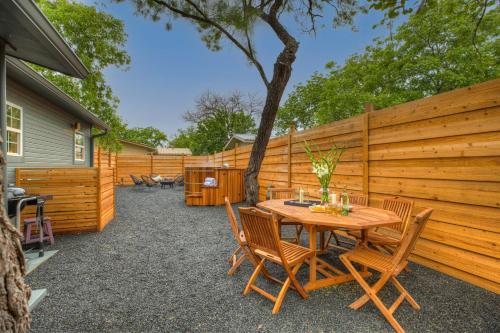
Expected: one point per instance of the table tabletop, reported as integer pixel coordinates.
(360, 218)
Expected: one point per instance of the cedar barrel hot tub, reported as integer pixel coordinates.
(229, 182)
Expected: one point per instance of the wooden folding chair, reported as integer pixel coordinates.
(354, 199)
(385, 237)
(238, 234)
(261, 231)
(389, 266)
(286, 193)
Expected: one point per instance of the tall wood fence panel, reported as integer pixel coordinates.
(136, 165)
(78, 196)
(167, 166)
(444, 153)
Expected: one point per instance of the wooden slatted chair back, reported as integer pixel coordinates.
(261, 230)
(358, 199)
(232, 221)
(402, 208)
(281, 193)
(411, 236)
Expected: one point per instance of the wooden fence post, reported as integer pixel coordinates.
(99, 199)
(366, 135)
(98, 156)
(151, 165)
(291, 131)
(182, 164)
(234, 156)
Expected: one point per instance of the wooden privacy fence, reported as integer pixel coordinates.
(443, 152)
(83, 198)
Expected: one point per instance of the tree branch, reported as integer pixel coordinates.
(203, 17)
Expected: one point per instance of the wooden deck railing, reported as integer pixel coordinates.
(83, 198)
(442, 151)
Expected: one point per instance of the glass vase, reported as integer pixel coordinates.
(325, 195)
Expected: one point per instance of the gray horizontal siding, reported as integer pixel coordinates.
(48, 136)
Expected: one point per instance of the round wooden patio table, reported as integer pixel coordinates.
(360, 218)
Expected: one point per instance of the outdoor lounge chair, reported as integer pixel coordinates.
(148, 181)
(137, 181)
(153, 176)
(261, 232)
(286, 193)
(389, 266)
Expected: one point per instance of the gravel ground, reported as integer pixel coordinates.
(161, 267)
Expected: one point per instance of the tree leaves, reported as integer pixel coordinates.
(432, 52)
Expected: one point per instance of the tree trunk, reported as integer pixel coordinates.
(14, 292)
(281, 75)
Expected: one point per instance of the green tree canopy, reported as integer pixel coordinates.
(146, 135)
(440, 48)
(99, 41)
(215, 120)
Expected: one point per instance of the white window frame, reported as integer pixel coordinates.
(19, 131)
(77, 145)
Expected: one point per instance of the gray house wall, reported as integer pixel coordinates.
(48, 136)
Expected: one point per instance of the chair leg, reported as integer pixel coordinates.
(371, 293)
(404, 292)
(296, 283)
(253, 277)
(232, 259)
(375, 289)
(236, 264)
(284, 289)
(298, 232)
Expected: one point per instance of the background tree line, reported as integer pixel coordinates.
(438, 49)
(99, 40)
(215, 120)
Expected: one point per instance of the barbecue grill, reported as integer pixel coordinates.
(17, 200)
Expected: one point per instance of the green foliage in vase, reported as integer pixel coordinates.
(324, 164)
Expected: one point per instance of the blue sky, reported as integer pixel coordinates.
(170, 69)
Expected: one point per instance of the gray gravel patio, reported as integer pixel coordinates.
(161, 267)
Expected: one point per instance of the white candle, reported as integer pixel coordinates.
(333, 198)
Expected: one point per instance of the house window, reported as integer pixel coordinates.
(14, 130)
(79, 147)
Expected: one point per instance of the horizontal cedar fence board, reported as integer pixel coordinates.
(472, 216)
(345, 126)
(472, 145)
(472, 192)
(479, 96)
(469, 168)
(478, 121)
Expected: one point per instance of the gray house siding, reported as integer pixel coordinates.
(47, 135)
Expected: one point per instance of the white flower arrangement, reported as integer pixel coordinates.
(324, 165)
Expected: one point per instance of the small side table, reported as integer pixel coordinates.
(167, 182)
